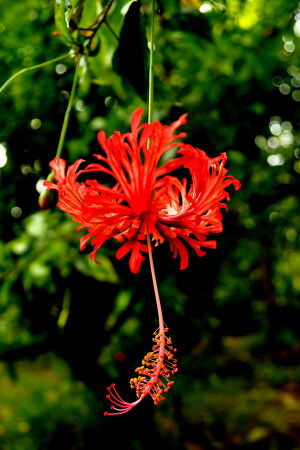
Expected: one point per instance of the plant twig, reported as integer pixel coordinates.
(28, 69)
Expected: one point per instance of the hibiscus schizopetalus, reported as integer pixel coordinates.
(144, 197)
(146, 205)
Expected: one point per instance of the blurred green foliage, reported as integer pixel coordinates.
(67, 326)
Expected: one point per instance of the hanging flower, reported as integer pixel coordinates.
(145, 196)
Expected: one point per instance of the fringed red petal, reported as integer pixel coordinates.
(145, 197)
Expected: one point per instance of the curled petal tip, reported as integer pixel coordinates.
(136, 118)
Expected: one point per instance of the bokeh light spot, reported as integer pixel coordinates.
(275, 129)
(296, 81)
(80, 106)
(275, 160)
(287, 126)
(277, 81)
(291, 234)
(297, 28)
(260, 141)
(293, 71)
(205, 8)
(289, 46)
(35, 124)
(16, 212)
(40, 186)
(296, 95)
(60, 69)
(286, 139)
(3, 156)
(284, 88)
(110, 102)
(274, 216)
(25, 169)
(297, 166)
(273, 142)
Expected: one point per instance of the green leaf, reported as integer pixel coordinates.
(61, 22)
(91, 9)
(73, 13)
(103, 272)
(130, 59)
(95, 46)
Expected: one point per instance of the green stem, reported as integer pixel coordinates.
(68, 111)
(28, 69)
(112, 31)
(100, 19)
(67, 117)
(151, 67)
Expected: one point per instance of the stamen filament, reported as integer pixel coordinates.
(157, 366)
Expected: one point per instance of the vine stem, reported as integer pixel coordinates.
(28, 69)
(157, 298)
(150, 120)
(151, 66)
(112, 31)
(68, 110)
(67, 116)
(101, 19)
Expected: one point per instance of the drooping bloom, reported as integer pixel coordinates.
(145, 204)
(145, 196)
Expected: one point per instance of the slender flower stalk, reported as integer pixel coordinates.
(28, 69)
(157, 298)
(151, 66)
(45, 198)
(69, 108)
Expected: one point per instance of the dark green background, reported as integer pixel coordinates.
(69, 327)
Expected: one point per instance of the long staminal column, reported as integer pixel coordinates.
(157, 366)
(153, 376)
(158, 304)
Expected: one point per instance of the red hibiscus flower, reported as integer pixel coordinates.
(145, 198)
